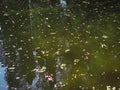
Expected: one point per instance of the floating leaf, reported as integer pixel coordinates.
(11, 68)
(49, 26)
(39, 56)
(67, 50)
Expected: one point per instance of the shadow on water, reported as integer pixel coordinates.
(59, 45)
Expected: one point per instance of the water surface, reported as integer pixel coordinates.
(59, 45)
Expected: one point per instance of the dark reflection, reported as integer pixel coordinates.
(17, 44)
(60, 44)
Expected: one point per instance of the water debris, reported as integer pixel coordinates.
(104, 36)
(17, 77)
(37, 48)
(93, 88)
(116, 70)
(17, 13)
(20, 48)
(21, 41)
(43, 52)
(110, 88)
(46, 18)
(118, 28)
(11, 68)
(82, 74)
(32, 37)
(76, 60)
(62, 66)
(96, 37)
(11, 35)
(6, 14)
(38, 56)
(75, 76)
(53, 33)
(67, 50)
(103, 73)
(44, 68)
(50, 78)
(48, 26)
(57, 53)
(67, 42)
(6, 54)
(40, 70)
(103, 45)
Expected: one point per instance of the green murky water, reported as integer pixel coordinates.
(47, 46)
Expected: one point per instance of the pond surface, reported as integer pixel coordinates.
(62, 45)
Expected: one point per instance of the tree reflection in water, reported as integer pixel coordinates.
(49, 47)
